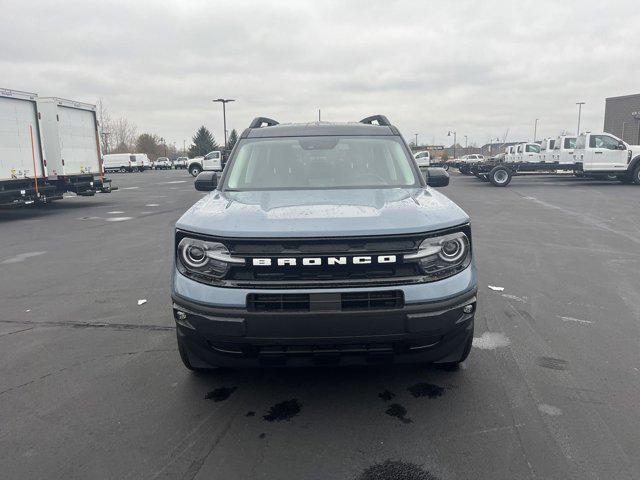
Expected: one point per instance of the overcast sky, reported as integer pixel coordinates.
(479, 68)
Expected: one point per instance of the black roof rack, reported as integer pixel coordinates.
(380, 119)
(259, 121)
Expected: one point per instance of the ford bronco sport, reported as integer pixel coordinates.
(323, 244)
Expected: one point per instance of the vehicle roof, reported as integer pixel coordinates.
(319, 129)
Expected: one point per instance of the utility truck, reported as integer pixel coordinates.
(563, 149)
(23, 166)
(72, 146)
(211, 161)
(546, 149)
(603, 155)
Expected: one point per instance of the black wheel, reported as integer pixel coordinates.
(446, 167)
(195, 170)
(635, 175)
(500, 176)
(611, 176)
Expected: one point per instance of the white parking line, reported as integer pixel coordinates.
(21, 257)
(577, 320)
(115, 211)
(129, 188)
(152, 205)
(118, 219)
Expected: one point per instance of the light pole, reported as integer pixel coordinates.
(224, 102)
(535, 130)
(579, 113)
(452, 132)
(184, 148)
(466, 145)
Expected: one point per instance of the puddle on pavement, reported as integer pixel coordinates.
(395, 470)
(386, 395)
(426, 390)
(220, 394)
(283, 411)
(398, 411)
(552, 363)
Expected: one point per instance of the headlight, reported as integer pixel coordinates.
(441, 257)
(204, 260)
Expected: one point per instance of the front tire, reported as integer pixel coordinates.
(635, 175)
(195, 170)
(500, 176)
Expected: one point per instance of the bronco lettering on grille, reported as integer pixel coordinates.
(316, 261)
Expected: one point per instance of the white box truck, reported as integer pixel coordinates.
(72, 143)
(23, 165)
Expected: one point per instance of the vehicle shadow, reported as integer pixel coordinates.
(9, 214)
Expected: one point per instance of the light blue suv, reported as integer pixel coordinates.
(323, 244)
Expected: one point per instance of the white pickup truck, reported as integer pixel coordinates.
(563, 149)
(211, 161)
(606, 156)
(527, 153)
(546, 149)
(423, 159)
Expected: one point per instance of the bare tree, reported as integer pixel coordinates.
(104, 124)
(123, 135)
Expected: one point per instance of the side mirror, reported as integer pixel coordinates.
(206, 181)
(436, 177)
(622, 146)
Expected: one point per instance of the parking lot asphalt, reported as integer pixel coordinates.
(91, 385)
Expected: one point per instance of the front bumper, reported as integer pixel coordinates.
(435, 330)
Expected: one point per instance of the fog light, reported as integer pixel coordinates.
(468, 308)
(181, 319)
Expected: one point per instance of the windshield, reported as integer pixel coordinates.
(319, 163)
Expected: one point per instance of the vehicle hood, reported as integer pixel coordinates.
(317, 213)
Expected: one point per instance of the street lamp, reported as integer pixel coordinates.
(224, 102)
(452, 132)
(535, 130)
(466, 143)
(579, 113)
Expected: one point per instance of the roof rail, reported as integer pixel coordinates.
(258, 121)
(381, 119)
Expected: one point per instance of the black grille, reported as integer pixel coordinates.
(293, 302)
(323, 275)
(372, 300)
(289, 302)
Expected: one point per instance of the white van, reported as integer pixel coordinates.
(142, 161)
(118, 162)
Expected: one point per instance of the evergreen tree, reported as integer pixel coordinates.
(203, 143)
(233, 138)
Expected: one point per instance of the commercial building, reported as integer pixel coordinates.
(622, 117)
